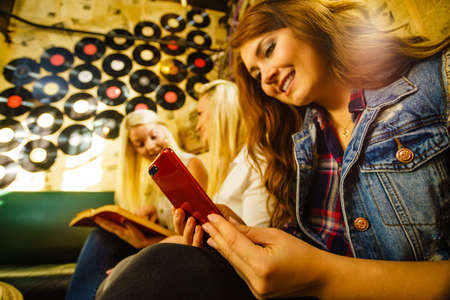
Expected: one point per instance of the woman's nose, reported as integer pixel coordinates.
(269, 75)
(149, 144)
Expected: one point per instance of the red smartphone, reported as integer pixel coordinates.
(180, 187)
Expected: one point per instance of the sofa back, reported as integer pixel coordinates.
(34, 225)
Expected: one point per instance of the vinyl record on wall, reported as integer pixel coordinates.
(12, 133)
(44, 120)
(170, 97)
(8, 171)
(90, 49)
(173, 22)
(56, 59)
(117, 65)
(144, 81)
(107, 124)
(37, 155)
(21, 71)
(117, 39)
(15, 101)
(173, 45)
(80, 106)
(173, 70)
(200, 63)
(147, 29)
(75, 139)
(198, 18)
(140, 102)
(50, 89)
(85, 76)
(199, 38)
(193, 83)
(146, 55)
(113, 92)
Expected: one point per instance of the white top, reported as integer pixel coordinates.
(244, 192)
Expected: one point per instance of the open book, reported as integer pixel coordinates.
(117, 214)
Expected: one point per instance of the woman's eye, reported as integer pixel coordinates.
(269, 49)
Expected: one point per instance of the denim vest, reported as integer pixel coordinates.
(395, 171)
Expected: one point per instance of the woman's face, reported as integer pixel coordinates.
(204, 111)
(287, 68)
(148, 139)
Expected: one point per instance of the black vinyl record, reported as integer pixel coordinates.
(80, 106)
(107, 124)
(198, 18)
(147, 29)
(173, 70)
(90, 49)
(21, 71)
(50, 89)
(199, 38)
(113, 92)
(192, 83)
(173, 45)
(117, 39)
(44, 120)
(10, 169)
(146, 55)
(144, 81)
(85, 76)
(75, 139)
(117, 65)
(140, 102)
(15, 101)
(200, 63)
(170, 97)
(173, 22)
(56, 59)
(37, 155)
(12, 134)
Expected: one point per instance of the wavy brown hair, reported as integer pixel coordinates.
(357, 53)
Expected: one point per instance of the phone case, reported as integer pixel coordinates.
(180, 187)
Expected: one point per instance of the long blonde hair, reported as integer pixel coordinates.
(227, 132)
(134, 187)
(357, 53)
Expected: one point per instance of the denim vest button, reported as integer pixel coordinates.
(404, 155)
(361, 224)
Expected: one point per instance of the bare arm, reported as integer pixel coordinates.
(276, 264)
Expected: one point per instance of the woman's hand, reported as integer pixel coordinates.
(148, 211)
(191, 232)
(272, 262)
(128, 232)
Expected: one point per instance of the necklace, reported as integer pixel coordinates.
(347, 130)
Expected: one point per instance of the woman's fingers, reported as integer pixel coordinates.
(198, 237)
(188, 233)
(179, 221)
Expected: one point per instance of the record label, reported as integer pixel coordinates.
(44, 120)
(117, 65)
(200, 63)
(173, 22)
(170, 97)
(198, 18)
(193, 84)
(12, 133)
(8, 171)
(50, 89)
(147, 29)
(90, 49)
(21, 71)
(199, 38)
(172, 45)
(56, 60)
(81, 106)
(144, 81)
(15, 101)
(140, 103)
(107, 124)
(85, 76)
(146, 55)
(118, 39)
(113, 92)
(173, 70)
(75, 139)
(37, 155)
